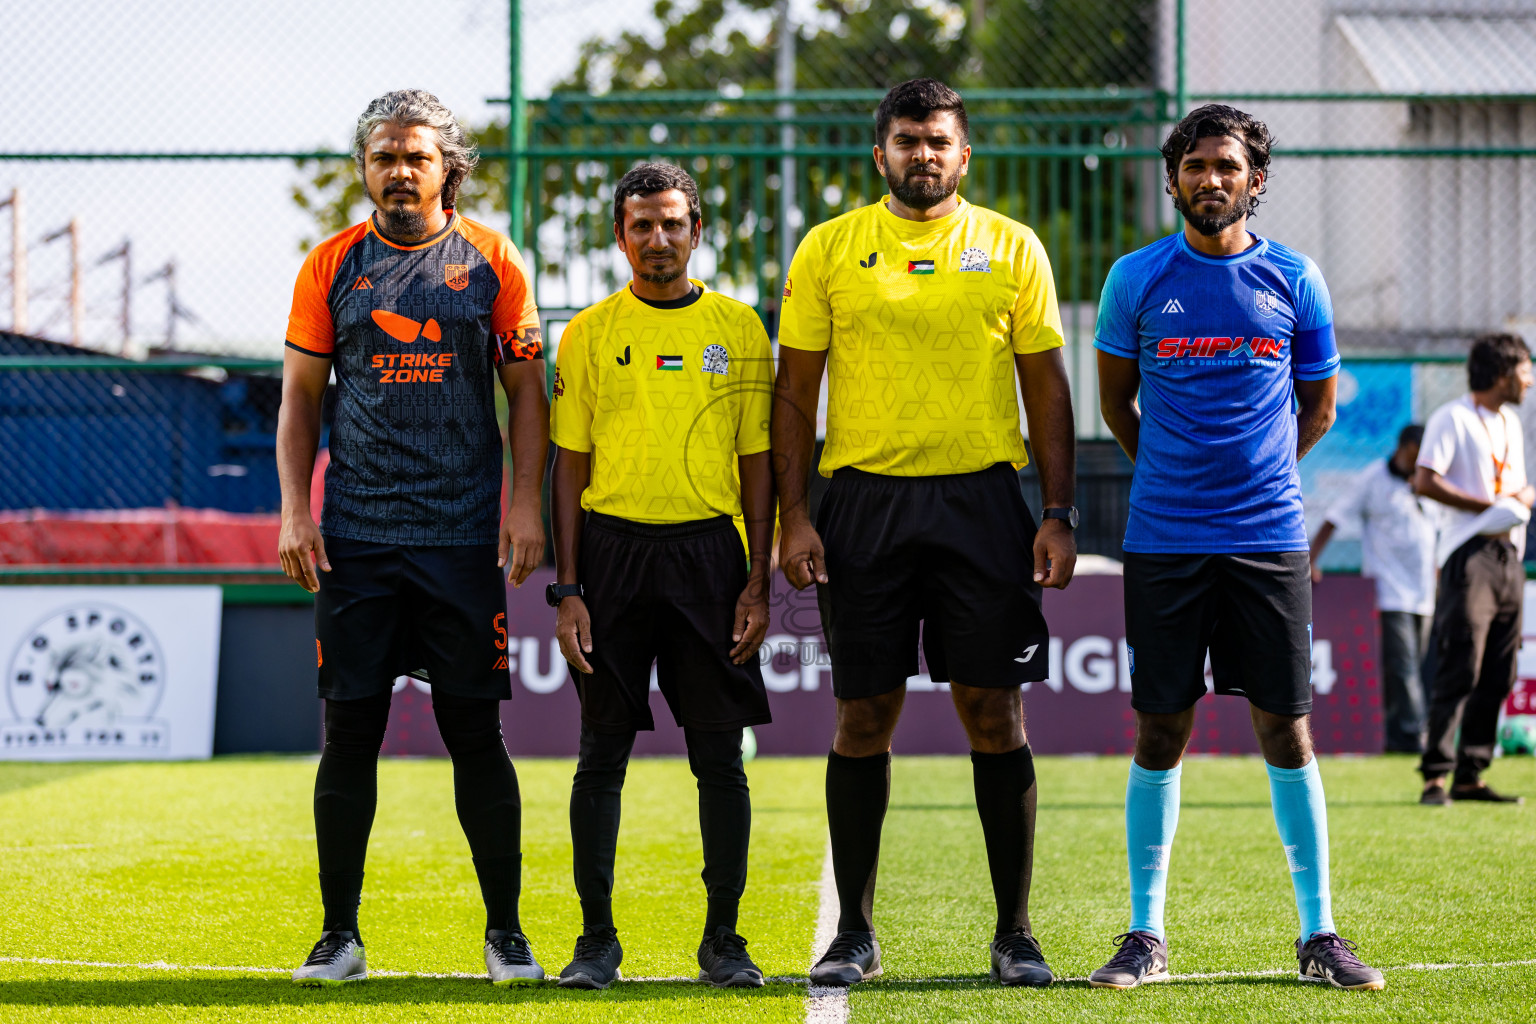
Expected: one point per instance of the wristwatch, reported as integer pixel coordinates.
(1069, 514)
(557, 592)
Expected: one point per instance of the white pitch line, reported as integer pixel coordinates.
(826, 1004)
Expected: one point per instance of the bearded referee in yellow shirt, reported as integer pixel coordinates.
(922, 308)
(662, 397)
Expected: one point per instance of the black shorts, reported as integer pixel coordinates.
(436, 613)
(1252, 612)
(665, 593)
(955, 553)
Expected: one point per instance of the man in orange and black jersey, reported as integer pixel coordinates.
(419, 312)
(660, 421)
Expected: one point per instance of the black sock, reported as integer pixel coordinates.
(486, 795)
(858, 791)
(595, 805)
(346, 794)
(1005, 800)
(725, 821)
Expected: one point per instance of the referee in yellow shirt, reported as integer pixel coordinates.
(922, 308)
(661, 403)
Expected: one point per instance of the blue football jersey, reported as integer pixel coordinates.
(1219, 341)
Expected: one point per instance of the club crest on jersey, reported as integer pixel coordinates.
(456, 276)
(559, 388)
(975, 261)
(717, 360)
(1267, 301)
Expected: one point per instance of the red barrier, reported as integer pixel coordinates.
(149, 536)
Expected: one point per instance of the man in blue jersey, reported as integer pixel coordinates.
(1219, 330)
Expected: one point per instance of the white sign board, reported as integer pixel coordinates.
(108, 673)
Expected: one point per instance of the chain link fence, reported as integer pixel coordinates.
(176, 161)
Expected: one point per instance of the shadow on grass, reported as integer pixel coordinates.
(279, 991)
(24, 774)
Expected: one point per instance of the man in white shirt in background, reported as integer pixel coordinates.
(1472, 461)
(1397, 550)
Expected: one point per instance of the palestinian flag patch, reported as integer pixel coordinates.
(669, 362)
(920, 266)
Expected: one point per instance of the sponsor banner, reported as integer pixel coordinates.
(1082, 707)
(108, 673)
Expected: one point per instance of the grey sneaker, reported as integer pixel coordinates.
(595, 963)
(1143, 959)
(723, 961)
(852, 957)
(336, 959)
(509, 960)
(1018, 960)
(1328, 959)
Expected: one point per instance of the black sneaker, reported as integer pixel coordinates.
(509, 961)
(1434, 795)
(1143, 959)
(1483, 792)
(723, 961)
(1018, 960)
(1328, 959)
(852, 957)
(595, 963)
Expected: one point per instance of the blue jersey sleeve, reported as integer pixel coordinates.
(1116, 331)
(1314, 352)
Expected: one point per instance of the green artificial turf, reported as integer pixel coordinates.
(212, 864)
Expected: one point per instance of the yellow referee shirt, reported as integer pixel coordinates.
(922, 320)
(665, 400)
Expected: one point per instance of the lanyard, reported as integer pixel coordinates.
(1499, 465)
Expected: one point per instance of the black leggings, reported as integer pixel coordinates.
(484, 788)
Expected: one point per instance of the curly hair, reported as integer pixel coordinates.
(412, 108)
(649, 179)
(1215, 120)
(1494, 356)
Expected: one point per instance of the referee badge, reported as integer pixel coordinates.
(975, 261)
(717, 360)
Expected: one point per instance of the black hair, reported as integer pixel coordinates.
(1214, 120)
(920, 99)
(1413, 433)
(1493, 357)
(647, 180)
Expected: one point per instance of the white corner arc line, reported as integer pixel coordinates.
(825, 1004)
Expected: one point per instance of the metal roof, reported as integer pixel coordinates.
(1445, 54)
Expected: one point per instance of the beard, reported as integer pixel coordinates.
(1213, 224)
(404, 221)
(923, 195)
(661, 276)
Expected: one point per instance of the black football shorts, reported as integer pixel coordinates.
(954, 553)
(1252, 612)
(665, 593)
(388, 610)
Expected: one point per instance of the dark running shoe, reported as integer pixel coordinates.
(1018, 960)
(1142, 959)
(336, 959)
(723, 961)
(508, 959)
(595, 963)
(1434, 795)
(1483, 792)
(1328, 959)
(852, 957)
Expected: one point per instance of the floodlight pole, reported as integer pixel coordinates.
(124, 252)
(517, 125)
(785, 83)
(18, 261)
(76, 291)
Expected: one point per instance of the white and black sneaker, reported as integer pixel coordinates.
(509, 960)
(1142, 959)
(336, 959)
(1328, 959)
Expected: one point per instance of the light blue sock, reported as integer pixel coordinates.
(1151, 818)
(1301, 815)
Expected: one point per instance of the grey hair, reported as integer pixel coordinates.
(411, 108)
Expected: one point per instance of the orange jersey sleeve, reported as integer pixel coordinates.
(310, 327)
(514, 313)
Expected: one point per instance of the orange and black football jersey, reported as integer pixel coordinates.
(416, 334)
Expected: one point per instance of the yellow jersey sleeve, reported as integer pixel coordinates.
(805, 314)
(1036, 325)
(575, 391)
(752, 434)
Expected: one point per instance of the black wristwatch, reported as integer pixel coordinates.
(1069, 514)
(557, 592)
